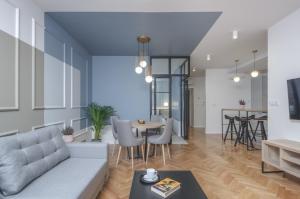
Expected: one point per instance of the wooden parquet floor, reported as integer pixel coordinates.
(222, 171)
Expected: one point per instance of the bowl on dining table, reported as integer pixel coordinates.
(141, 121)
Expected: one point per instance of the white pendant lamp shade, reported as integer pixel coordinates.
(138, 70)
(148, 74)
(236, 79)
(254, 73)
(148, 79)
(143, 63)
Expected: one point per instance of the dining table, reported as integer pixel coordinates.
(146, 127)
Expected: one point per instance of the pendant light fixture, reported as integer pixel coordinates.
(236, 78)
(255, 72)
(143, 52)
(148, 74)
(138, 68)
(143, 40)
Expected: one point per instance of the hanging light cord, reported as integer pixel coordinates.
(254, 57)
(143, 51)
(138, 53)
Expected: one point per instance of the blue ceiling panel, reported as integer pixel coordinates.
(115, 33)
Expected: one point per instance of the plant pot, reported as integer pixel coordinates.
(68, 138)
(97, 140)
(242, 106)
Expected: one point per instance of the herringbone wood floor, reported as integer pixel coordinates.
(222, 171)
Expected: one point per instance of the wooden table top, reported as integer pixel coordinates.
(147, 125)
(245, 109)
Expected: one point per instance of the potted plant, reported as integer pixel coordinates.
(242, 104)
(98, 116)
(68, 134)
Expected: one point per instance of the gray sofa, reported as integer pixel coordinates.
(39, 165)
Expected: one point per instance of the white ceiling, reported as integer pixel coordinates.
(251, 17)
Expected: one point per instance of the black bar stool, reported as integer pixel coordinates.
(260, 123)
(231, 126)
(243, 135)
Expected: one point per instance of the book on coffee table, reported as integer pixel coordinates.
(165, 187)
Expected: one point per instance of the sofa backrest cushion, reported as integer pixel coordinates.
(26, 156)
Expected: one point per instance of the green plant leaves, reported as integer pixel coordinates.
(98, 115)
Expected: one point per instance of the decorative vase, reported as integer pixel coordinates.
(68, 138)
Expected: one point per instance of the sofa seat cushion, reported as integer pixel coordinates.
(26, 156)
(74, 178)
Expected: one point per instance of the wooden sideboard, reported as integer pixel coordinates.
(282, 154)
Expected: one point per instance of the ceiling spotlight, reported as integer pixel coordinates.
(208, 57)
(235, 34)
(194, 69)
(138, 70)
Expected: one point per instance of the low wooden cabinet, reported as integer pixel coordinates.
(282, 154)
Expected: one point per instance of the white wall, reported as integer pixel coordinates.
(259, 92)
(222, 92)
(198, 85)
(284, 64)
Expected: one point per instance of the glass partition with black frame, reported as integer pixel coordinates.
(169, 91)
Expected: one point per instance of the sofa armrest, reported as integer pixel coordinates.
(88, 150)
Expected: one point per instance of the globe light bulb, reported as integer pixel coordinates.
(236, 79)
(148, 79)
(143, 63)
(254, 73)
(138, 70)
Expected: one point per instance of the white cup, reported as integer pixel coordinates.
(151, 173)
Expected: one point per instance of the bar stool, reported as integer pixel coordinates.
(243, 133)
(231, 126)
(260, 123)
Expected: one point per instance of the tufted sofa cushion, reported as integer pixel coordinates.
(26, 156)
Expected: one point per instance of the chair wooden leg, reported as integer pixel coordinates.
(163, 153)
(148, 149)
(142, 146)
(168, 147)
(131, 149)
(154, 150)
(120, 148)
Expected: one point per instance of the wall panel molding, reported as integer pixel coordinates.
(50, 124)
(8, 133)
(34, 48)
(79, 119)
(73, 106)
(16, 72)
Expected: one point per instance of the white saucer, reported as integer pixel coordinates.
(150, 179)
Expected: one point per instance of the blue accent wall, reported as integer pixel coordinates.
(115, 83)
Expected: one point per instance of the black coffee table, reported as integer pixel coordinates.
(190, 189)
